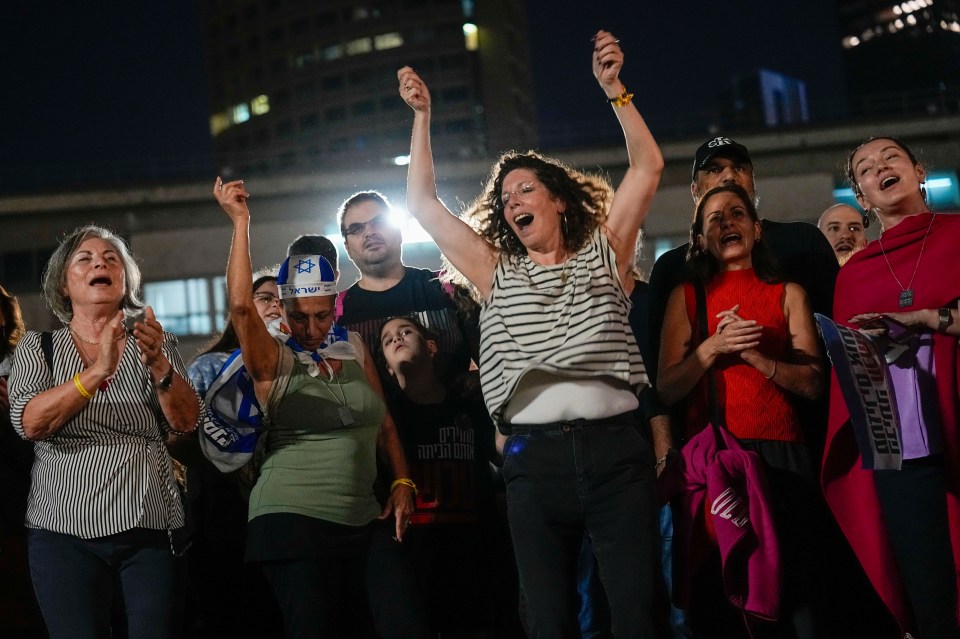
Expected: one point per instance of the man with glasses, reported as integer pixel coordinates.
(387, 288)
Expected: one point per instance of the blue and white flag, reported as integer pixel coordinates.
(861, 370)
(229, 437)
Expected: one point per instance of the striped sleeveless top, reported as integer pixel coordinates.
(569, 320)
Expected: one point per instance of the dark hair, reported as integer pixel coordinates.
(359, 198)
(13, 327)
(263, 279)
(226, 342)
(55, 275)
(313, 244)
(587, 198)
(424, 332)
(848, 169)
(705, 266)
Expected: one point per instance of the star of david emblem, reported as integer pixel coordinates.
(305, 266)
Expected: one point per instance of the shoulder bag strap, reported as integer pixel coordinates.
(716, 422)
(46, 346)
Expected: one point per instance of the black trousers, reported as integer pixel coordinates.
(913, 500)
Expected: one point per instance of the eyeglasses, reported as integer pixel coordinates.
(524, 189)
(375, 223)
(265, 298)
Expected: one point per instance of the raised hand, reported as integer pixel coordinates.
(108, 358)
(607, 62)
(149, 336)
(232, 197)
(413, 90)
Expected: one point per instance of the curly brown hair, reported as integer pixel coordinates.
(587, 198)
(13, 328)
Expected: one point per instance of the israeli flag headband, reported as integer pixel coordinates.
(306, 276)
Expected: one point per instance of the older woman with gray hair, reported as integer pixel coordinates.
(98, 397)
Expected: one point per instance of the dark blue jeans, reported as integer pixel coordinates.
(568, 478)
(76, 581)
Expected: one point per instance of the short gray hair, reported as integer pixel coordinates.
(55, 275)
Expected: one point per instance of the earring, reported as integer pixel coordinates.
(923, 191)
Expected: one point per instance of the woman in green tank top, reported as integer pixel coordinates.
(313, 507)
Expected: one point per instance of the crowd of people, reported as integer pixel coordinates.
(535, 442)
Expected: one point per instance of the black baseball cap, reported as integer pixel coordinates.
(719, 145)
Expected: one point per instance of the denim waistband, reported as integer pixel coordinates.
(623, 419)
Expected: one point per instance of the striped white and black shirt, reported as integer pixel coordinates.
(106, 470)
(569, 320)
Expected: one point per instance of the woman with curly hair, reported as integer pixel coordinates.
(559, 368)
(11, 331)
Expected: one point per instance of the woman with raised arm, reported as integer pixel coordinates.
(312, 509)
(559, 367)
(98, 400)
(904, 524)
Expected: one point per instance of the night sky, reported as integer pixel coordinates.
(117, 89)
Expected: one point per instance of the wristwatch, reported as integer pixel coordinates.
(945, 318)
(166, 381)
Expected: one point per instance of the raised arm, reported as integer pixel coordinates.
(635, 193)
(467, 250)
(178, 400)
(260, 354)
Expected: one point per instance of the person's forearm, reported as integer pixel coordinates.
(48, 411)
(803, 380)
(391, 450)
(421, 173)
(677, 381)
(179, 403)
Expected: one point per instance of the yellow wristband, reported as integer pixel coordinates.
(83, 391)
(403, 481)
(621, 100)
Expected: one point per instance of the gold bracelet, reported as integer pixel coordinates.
(773, 372)
(83, 391)
(403, 481)
(621, 100)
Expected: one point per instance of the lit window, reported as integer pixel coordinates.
(219, 122)
(388, 41)
(188, 307)
(470, 38)
(333, 52)
(240, 113)
(361, 45)
(260, 105)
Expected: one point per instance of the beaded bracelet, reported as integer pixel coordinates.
(621, 100)
(83, 391)
(404, 481)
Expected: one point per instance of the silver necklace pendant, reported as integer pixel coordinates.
(346, 416)
(906, 298)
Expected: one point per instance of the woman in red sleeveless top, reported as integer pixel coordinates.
(761, 349)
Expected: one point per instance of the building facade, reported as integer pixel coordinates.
(305, 86)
